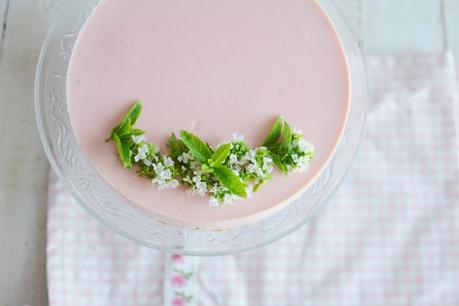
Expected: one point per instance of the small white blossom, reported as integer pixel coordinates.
(138, 139)
(213, 202)
(201, 187)
(269, 169)
(229, 198)
(303, 164)
(214, 189)
(168, 184)
(305, 146)
(267, 165)
(159, 168)
(232, 159)
(167, 174)
(252, 168)
(141, 153)
(297, 131)
(238, 137)
(295, 158)
(184, 158)
(164, 177)
(168, 162)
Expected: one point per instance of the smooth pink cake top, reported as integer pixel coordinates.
(216, 68)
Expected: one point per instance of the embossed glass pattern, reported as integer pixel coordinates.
(113, 210)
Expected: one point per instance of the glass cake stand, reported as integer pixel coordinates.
(117, 213)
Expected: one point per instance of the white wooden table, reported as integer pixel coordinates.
(381, 26)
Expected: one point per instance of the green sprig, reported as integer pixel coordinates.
(281, 147)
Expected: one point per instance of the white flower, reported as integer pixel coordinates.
(297, 131)
(238, 137)
(159, 168)
(232, 159)
(214, 189)
(267, 165)
(201, 187)
(303, 164)
(168, 185)
(138, 139)
(172, 184)
(141, 153)
(167, 174)
(252, 168)
(229, 198)
(305, 146)
(269, 169)
(213, 202)
(184, 158)
(168, 162)
(295, 158)
(164, 177)
(249, 157)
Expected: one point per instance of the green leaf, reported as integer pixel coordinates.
(137, 132)
(125, 126)
(176, 146)
(197, 147)
(124, 151)
(278, 162)
(275, 133)
(258, 185)
(231, 181)
(286, 135)
(220, 154)
(134, 112)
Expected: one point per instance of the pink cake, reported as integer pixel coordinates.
(215, 68)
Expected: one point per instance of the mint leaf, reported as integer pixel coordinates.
(286, 135)
(275, 133)
(125, 126)
(231, 181)
(134, 112)
(176, 146)
(137, 132)
(220, 154)
(278, 162)
(124, 151)
(197, 147)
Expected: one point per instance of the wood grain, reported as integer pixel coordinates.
(23, 166)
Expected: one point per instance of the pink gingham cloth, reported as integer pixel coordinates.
(390, 236)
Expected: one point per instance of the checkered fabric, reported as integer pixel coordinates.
(390, 236)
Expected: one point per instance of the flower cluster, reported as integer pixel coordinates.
(159, 168)
(225, 173)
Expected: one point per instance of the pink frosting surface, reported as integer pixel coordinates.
(216, 68)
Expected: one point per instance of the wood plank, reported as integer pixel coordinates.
(23, 166)
(403, 26)
(451, 23)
